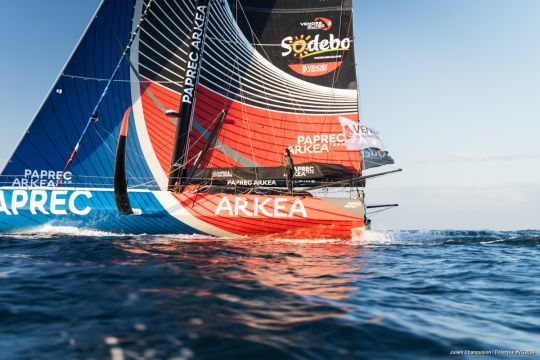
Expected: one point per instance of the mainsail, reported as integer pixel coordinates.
(251, 70)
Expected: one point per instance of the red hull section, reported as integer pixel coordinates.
(276, 216)
(256, 137)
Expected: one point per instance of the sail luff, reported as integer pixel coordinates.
(56, 81)
(94, 117)
(64, 114)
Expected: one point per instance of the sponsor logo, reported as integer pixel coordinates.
(360, 137)
(57, 202)
(221, 174)
(315, 56)
(194, 57)
(42, 178)
(251, 183)
(349, 131)
(274, 207)
(303, 171)
(314, 68)
(303, 46)
(353, 205)
(372, 153)
(319, 23)
(317, 144)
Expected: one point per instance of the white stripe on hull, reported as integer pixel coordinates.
(173, 207)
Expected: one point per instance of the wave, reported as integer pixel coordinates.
(450, 237)
(48, 231)
(369, 238)
(57, 231)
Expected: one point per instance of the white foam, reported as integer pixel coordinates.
(5, 274)
(372, 237)
(52, 230)
(308, 241)
(188, 237)
(369, 237)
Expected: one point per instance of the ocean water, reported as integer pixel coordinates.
(79, 294)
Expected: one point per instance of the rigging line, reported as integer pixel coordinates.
(349, 35)
(115, 81)
(225, 107)
(203, 134)
(131, 151)
(239, 42)
(350, 28)
(209, 144)
(230, 72)
(237, 150)
(268, 58)
(109, 148)
(358, 91)
(94, 117)
(152, 96)
(246, 122)
(378, 211)
(145, 86)
(334, 74)
(264, 87)
(334, 77)
(248, 127)
(298, 107)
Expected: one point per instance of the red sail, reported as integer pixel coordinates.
(285, 74)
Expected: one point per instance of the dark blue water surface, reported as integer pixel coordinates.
(412, 295)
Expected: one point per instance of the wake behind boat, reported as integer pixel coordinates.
(223, 118)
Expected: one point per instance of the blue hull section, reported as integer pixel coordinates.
(22, 209)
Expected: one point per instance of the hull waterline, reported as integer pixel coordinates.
(162, 212)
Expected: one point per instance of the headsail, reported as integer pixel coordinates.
(42, 153)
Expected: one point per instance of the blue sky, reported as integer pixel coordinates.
(453, 85)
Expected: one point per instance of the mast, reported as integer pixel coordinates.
(187, 103)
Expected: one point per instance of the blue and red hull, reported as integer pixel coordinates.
(161, 212)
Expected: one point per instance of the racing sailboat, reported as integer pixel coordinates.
(177, 117)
